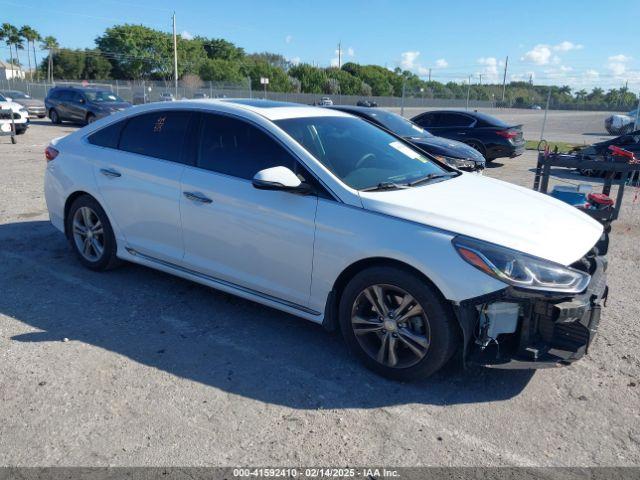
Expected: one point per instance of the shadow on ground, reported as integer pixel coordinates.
(206, 336)
(494, 164)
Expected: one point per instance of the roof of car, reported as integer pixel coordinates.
(354, 108)
(276, 110)
(81, 89)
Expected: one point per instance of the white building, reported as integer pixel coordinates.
(8, 71)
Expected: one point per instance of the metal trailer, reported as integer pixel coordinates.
(6, 118)
(624, 170)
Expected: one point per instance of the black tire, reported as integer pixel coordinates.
(438, 325)
(107, 259)
(54, 116)
(41, 116)
(480, 148)
(90, 118)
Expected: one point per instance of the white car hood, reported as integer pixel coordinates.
(494, 211)
(12, 105)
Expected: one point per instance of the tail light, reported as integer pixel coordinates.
(50, 153)
(508, 134)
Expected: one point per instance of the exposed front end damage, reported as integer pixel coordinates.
(515, 328)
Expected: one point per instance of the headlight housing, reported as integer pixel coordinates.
(519, 269)
(457, 162)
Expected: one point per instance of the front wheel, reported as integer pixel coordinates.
(397, 324)
(90, 118)
(91, 235)
(55, 117)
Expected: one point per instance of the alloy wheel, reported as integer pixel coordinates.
(391, 326)
(88, 234)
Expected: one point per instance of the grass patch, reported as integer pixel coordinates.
(562, 146)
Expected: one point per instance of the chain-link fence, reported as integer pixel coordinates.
(138, 92)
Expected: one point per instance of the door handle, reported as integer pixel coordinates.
(197, 197)
(107, 172)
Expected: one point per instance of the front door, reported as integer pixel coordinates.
(256, 239)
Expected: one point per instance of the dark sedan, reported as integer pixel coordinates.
(489, 135)
(454, 153)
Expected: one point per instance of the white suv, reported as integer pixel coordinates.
(325, 216)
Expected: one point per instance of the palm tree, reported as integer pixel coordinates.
(16, 39)
(31, 36)
(7, 32)
(51, 44)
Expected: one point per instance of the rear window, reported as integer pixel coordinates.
(108, 136)
(158, 134)
(490, 121)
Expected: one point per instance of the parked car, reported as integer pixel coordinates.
(325, 102)
(492, 137)
(199, 95)
(456, 154)
(20, 115)
(140, 98)
(82, 105)
(366, 103)
(34, 106)
(167, 97)
(536, 107)
(322, 215)
(620, 124)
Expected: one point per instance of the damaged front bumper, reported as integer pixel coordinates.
(514, 328)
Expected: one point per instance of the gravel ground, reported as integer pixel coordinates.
(136, 367)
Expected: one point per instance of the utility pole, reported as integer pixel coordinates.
(544, 120)
(504, 78)
(175, 55)
(480, 79)
(429, 74)
(340, 54)
(468, 92)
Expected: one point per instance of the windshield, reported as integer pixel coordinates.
(398, 124)
(360, 154)
(2, 99)
(102, 96)
(15, 94)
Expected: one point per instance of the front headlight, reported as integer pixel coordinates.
(519, 269)
(456, 162)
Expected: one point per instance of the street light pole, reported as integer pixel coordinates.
(175, 55)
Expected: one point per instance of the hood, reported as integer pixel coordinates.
(496, 212)
(449, 148)
(30, 102)
(15, 107)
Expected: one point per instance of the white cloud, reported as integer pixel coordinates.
(294, 60)
(591, 73)
(288, 39)
(186, 35)
(441, 63)
(491, 68)
(351, 52)
(540, 55)
(567, 46)
(619, 58)
(408, 59)
(618, 64)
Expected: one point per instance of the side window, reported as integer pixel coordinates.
(426, 120)
(454, 120)
(107, 136)
(157, 134)
(236, 148)
(77, 97)
(65, 95)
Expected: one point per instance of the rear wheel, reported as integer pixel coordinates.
(54, 116)
(91, 235)
(90, 118)
(480, 148)
(396, 324)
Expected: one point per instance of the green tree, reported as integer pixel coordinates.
(312, 79)
(31, 37)
(9, 33)
(221, 49)
(219, 70)
(96, 66)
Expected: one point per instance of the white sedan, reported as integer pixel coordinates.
(19, 113)
(323, 215)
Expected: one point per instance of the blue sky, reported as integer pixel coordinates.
(582, 44)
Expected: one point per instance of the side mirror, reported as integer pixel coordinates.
(279, 178)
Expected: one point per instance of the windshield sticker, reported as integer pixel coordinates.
(402, 148)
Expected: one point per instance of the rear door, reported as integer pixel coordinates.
(260, 240)
(77, 107)
(140, 181)
(452, 125)
(63, 106)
